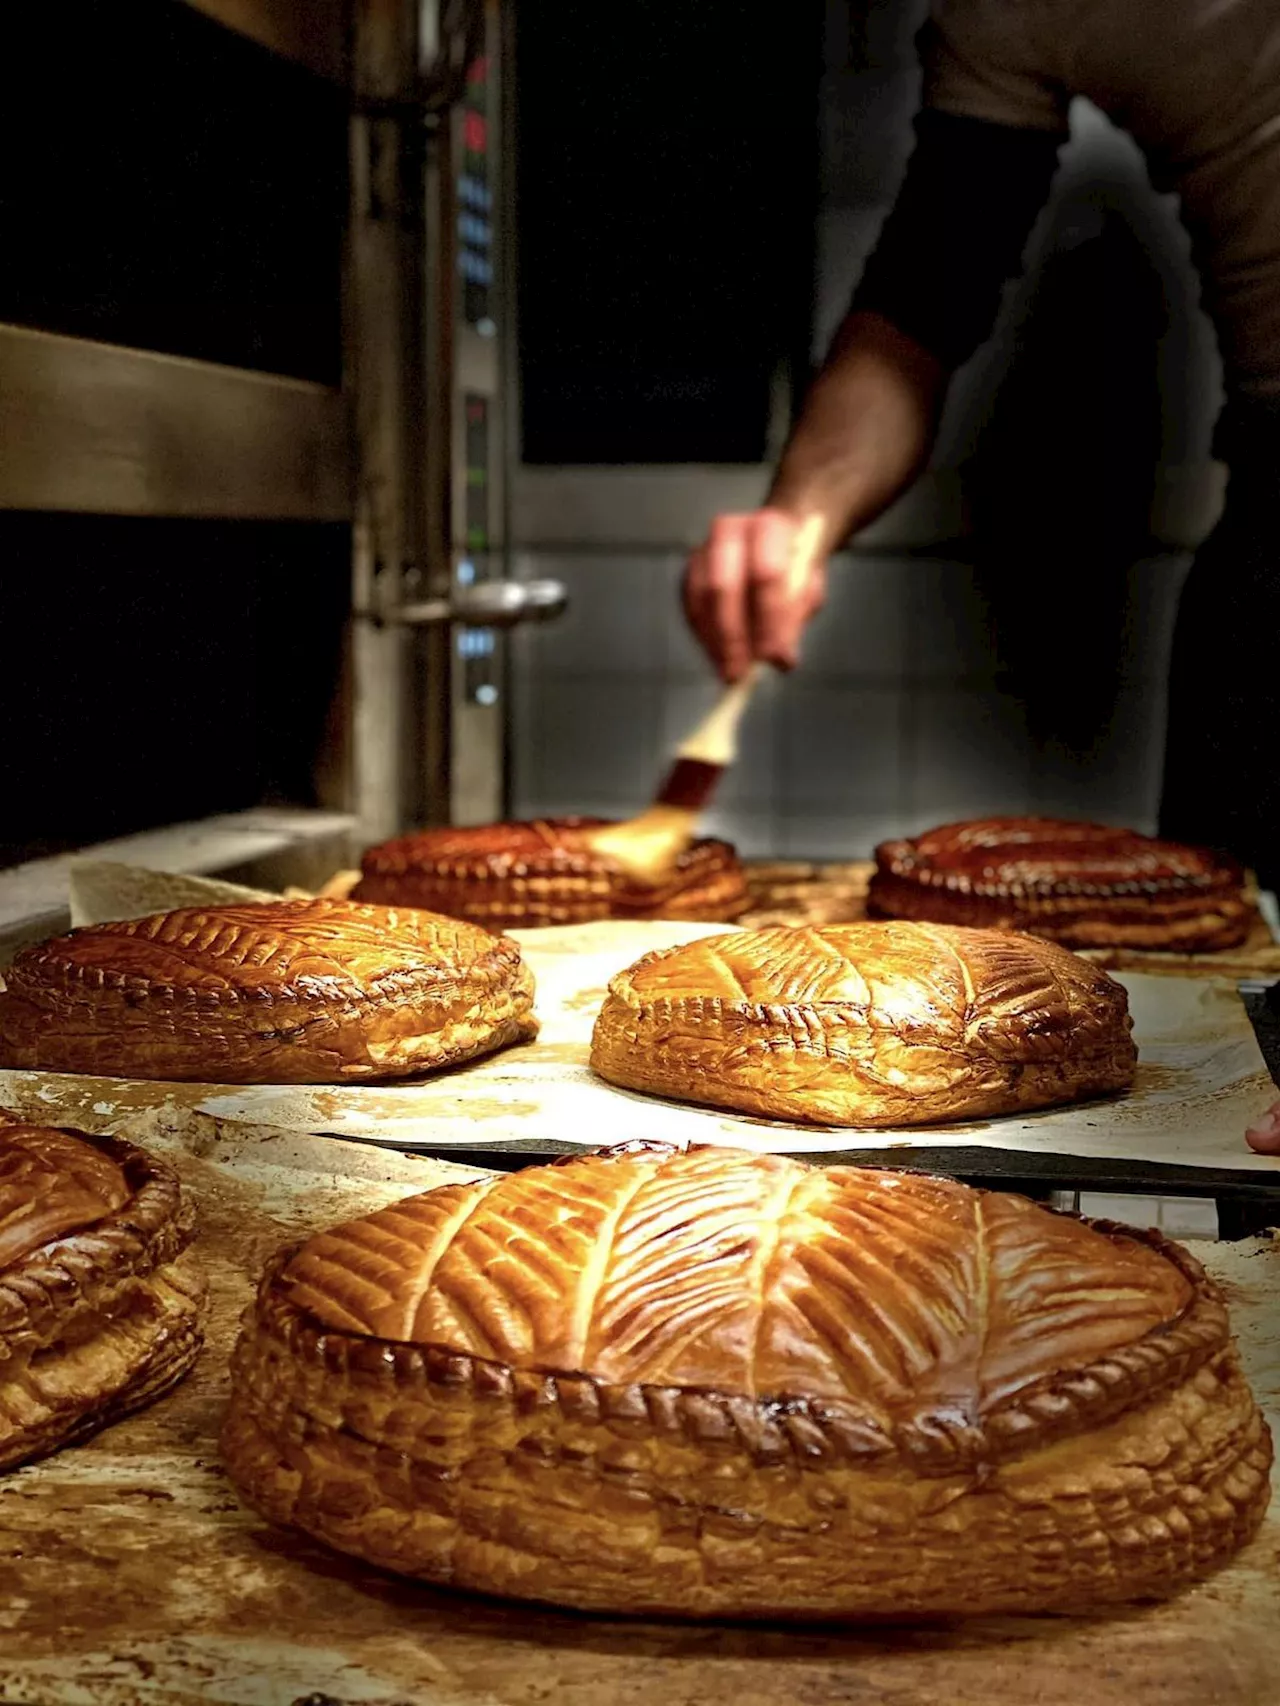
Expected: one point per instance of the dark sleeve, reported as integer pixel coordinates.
(957, 231)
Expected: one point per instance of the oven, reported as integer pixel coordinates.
(254, 435)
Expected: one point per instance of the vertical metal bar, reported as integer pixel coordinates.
(401, 714)
(479, 754)
(434, 645)
(504, 39)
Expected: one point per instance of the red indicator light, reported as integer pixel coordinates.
(475, 133)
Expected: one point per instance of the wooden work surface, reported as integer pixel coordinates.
(130, 1574)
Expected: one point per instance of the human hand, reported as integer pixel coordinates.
(752, 587)
(1264, 1134)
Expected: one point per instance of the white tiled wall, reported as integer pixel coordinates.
(898, 718)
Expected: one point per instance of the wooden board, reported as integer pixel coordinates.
(130, 1575)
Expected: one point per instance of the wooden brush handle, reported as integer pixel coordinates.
(715, 740)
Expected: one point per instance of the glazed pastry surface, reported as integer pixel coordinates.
(316, 991)
(868, 1024)
(100, 1297)
(1079, 883)
(710, 1382)
(512, 876)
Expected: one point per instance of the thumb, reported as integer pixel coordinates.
(1264, 1134)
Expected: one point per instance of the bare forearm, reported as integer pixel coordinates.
(866, 429)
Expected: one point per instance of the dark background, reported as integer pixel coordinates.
(668, 186)
(168, 185)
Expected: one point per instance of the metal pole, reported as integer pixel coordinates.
(401, 712)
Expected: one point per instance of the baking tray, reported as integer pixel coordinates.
(1201, 1079)
(542, 1101)
(131, 1575)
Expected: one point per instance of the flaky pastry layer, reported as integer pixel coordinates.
(1081, 884)
(867, 1024)
(710, 1383)
(510, 876)
(102, 1314)
(319, 991)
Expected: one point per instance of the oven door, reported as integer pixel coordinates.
(252, 439)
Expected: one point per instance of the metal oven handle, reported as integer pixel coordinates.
(485, 604)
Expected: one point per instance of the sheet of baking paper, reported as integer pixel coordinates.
(100, 891)
(1201, 1080)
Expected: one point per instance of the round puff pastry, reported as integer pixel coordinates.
(711, 1383)
(511, 876)
(866, 1024)
(300, 992)
(1078, 883)
(100, 1299)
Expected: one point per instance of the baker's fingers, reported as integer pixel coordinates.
(783, 592)
(715, 595)
(1264, 1134)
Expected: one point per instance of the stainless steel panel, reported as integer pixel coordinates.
(400, 737)
(478, 354)
(112, 431)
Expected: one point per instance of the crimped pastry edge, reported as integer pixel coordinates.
(522, 903)
(170, 1302)
(149, 1231)
(135, 1266)
(644, 1064)
(811, 1432)
(496, 962)
(565, 885)
(146, 1019)
(1176, 913)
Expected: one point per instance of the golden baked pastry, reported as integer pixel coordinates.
(709, 1383)
(100, 1298)
(511, 876)
(866, 1024)
(1078, 883)
(301, 992)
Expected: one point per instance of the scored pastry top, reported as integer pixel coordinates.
(52, 1184)
(914, 1299)
(306, 950)
(77, 1212)
(561, 845)
(961, 986)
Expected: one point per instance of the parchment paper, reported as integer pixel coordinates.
(1201, 1080)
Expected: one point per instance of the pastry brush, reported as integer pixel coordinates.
(646, 847)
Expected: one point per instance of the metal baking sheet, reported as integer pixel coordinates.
(1201, 1080)
(131, 1575)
